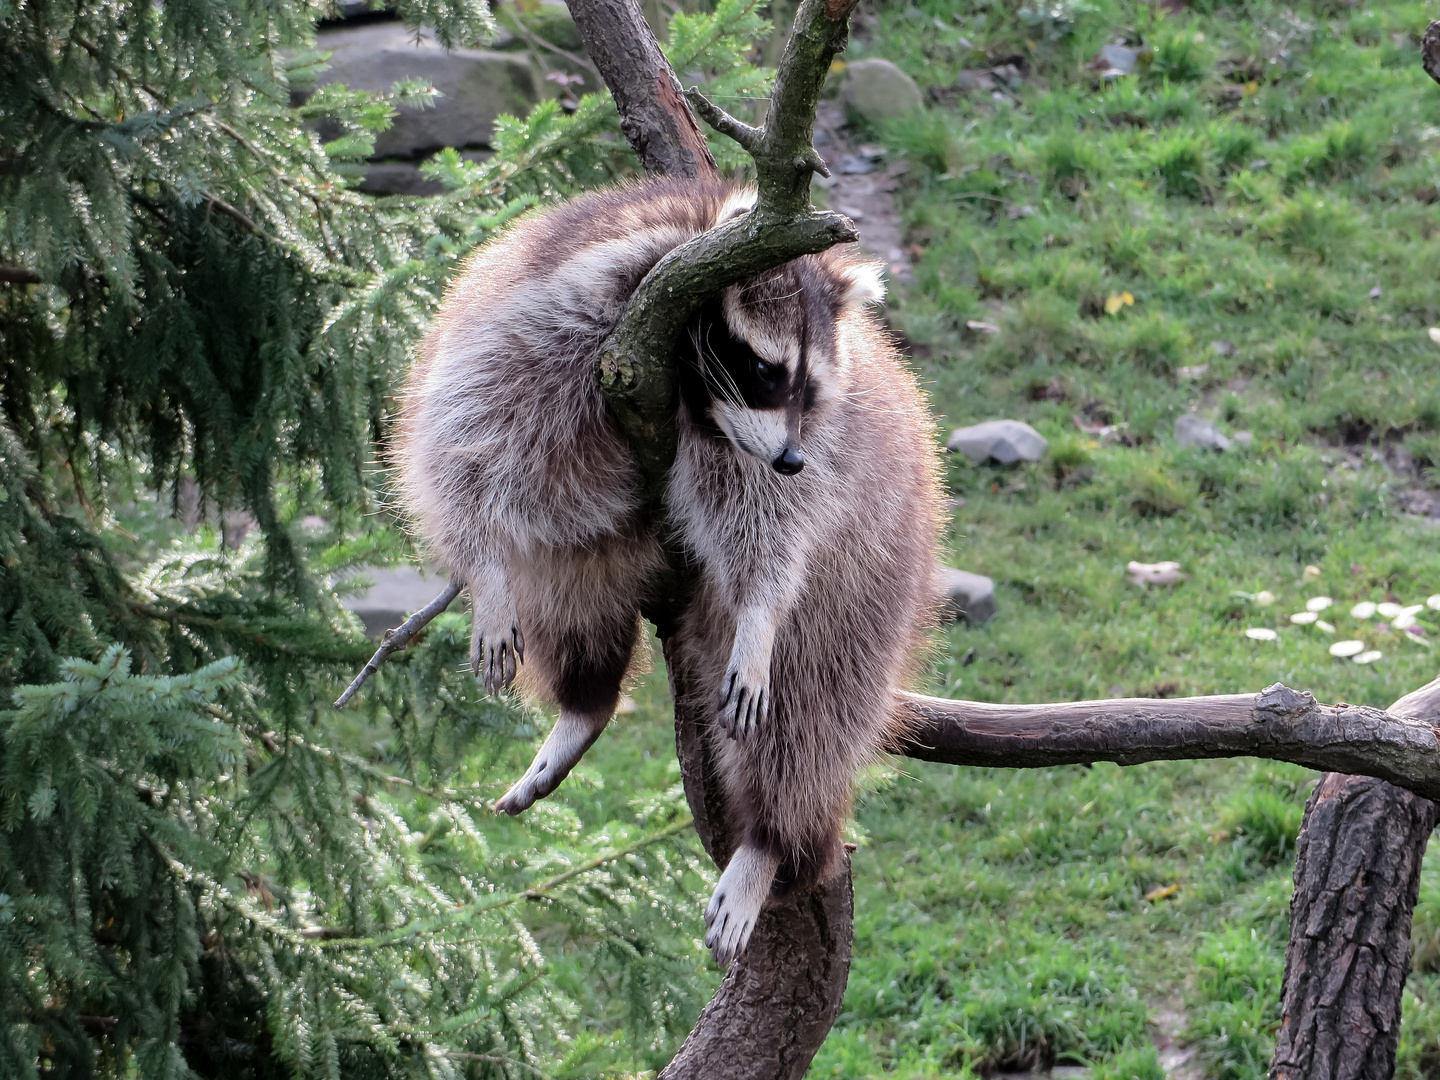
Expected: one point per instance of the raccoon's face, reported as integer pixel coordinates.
(762, 356)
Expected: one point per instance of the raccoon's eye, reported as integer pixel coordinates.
(767, 372)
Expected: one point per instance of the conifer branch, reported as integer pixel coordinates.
(18, 275)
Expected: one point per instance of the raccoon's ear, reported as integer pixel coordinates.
(739, 203)
(861, 284)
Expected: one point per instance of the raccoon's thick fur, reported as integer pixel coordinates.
(805, 486)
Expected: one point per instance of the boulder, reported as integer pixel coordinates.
(477, 85)
(966, 596)
(1005, 441)
(398, 592)
(878, 91)
(1192, 430)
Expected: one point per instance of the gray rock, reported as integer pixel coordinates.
(964, 595)
(1005, 441)
(1192, 430)
(1118, 59)
(397, 178)
(476, 85)
(1243, 438)
(1223, 347)
(398, 592)
(879, 91)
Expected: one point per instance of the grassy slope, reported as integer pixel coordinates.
(1001, 918)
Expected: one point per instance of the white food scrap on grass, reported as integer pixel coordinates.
(1369, 657)
(1363, 610)
(1310, 573)
(1321, 624)
(1343, 649)
(1406, 618)
(1304, 618)
(1435, 334)
(1264, 597)
(1318, 603)
(1261, 633)
(1388, 610)
(1433, 603)
(1160, 573)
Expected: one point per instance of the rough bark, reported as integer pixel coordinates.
(1278, 723)
(778, 1001)
(1430, 51)
(653, 115)
(1357, 872)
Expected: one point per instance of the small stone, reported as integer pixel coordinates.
(1192, 430)
(878, 90)
(1005, 441)
(1310, 572)
(1243, 439)
(1161, 573)
(1375, 293)
(964, 595)
(1117, 59)
(1191, 373)
(1222, 347)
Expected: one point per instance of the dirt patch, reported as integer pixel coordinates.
(862, 186)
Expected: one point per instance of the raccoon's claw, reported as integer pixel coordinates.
(744, 704)
(494, 657)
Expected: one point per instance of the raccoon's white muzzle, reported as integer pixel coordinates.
(761, 433)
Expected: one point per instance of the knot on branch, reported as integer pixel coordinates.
(1279, 701)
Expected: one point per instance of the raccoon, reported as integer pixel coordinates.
(805, 488)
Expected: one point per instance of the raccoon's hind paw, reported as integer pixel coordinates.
(495, 653)
(566, 744)
(739, 896)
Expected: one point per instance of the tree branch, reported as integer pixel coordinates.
(398, 638)
(653, 115)
(1430, 51)
(18, 275)
(1277, 723)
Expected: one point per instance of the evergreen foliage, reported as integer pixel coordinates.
(203, 869)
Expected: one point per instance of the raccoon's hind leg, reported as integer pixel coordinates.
(583, 669)
(739, 896)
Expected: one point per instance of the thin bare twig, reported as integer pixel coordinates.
(398, 638)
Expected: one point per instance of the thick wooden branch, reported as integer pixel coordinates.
(653, 116)
(1430, 51)
(1277, 723)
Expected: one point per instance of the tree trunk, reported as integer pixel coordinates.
(1357, 873)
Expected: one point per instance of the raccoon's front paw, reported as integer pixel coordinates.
(496, 647)
(745, 696)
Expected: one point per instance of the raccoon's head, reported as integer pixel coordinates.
(761, 358)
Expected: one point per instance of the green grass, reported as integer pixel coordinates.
(1265, 169)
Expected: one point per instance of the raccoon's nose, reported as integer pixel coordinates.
(789, 462)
